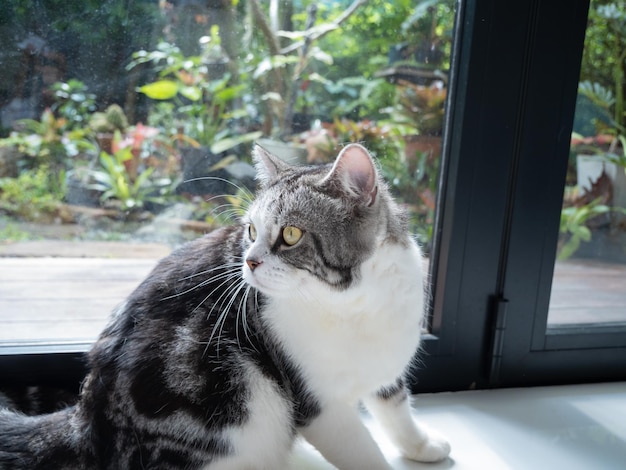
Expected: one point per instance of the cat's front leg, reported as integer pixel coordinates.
(391, 408)
(341, 437)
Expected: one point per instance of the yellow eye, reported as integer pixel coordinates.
(292, 235)
(252, 232)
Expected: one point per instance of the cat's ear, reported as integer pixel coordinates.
(268, 167)
(355, 172)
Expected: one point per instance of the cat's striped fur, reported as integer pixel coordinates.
(257, 331)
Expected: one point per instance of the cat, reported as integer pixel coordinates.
(253, 333)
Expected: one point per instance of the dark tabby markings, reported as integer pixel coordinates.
(395, 391)
(344, 272)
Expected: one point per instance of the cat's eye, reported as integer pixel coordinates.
(291, 235)
(252, 232)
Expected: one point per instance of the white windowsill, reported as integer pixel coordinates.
(578, 427)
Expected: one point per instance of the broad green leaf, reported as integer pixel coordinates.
(160, 90)
(583, 233)
(192, 93)
(569, 248)
(229, 93)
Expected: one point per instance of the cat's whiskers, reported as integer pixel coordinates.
(222, 266)
(219, 323)
(232, 211)
(230, 267)
(204, 283)
(235, 292)
(244, 305)
(242, 313)
(227, 276)
(256, 300)
(245, 193)
(243, 298)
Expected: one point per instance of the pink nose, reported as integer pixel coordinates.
(253, 264)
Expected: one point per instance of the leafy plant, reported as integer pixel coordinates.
(604, 59)
(73, 103)
(203, 107)
(115, 182)
(112, 119)
(47, 142)
(285, 66)
(574, 225)
(380, 139)
(415, 187)
(34, 194)
(420, 107)
(357, 97)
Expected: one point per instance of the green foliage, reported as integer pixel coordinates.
(47, 142)
(574, 225)
(599, 95)
(381, 140)
(420, 108)
(604, 54)
(34, 194)
(357, 97)
(73, 103)
(415, 185)
(12, 233)
(115, 182)
(202, 107)
(360, 48)
(213, 100)
(111, 120)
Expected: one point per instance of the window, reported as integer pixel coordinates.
(488, 211)
(148, 140)
(116, 154)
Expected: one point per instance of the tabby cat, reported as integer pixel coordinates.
(253, 333)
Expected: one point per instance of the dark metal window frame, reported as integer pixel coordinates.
(507, 148)
(510, 112)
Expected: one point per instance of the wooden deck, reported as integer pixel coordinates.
(70, 298)
(588, 292)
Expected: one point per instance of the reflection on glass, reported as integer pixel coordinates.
(590, 274)
(126, 129)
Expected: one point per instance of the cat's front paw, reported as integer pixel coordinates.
(432, 449)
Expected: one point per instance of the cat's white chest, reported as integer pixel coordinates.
(348, 344)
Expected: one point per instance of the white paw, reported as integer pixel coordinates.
(433, 449)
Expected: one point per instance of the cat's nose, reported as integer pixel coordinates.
(253, 264)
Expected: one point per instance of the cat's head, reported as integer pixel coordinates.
(316, 224)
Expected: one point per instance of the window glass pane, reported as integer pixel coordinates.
(126, 129)
(590, 274)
